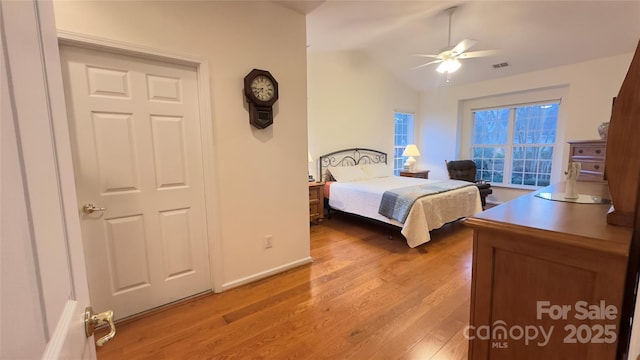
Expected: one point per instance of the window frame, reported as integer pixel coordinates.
(556, 93)
(410, 139)
(510, 144)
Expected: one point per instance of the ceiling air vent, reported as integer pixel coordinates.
(500, 65)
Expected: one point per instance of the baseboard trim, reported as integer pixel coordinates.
(267, 273)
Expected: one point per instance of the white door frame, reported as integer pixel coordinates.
(206, 127)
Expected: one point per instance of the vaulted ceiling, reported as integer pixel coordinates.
(528, 35)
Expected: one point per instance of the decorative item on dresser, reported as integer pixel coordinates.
(316, 201)
(422, 174)
(592, 155)
(603, 129)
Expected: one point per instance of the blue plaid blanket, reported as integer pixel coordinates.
(396, 203)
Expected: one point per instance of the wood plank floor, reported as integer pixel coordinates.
(365, 296)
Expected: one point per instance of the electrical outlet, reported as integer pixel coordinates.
(268, 241)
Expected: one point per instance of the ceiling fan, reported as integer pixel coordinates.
(449, 57)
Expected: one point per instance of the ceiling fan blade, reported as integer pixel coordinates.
(477, 54)
(427, 55)
(463, 46)
(429, 63)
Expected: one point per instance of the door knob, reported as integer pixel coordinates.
(91, 208)
(91, 320)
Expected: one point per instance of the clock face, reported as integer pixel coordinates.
(262, 88)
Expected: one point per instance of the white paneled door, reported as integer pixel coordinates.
(135, 134)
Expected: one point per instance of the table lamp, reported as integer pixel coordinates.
(411, 150)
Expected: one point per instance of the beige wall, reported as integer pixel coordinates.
(590, 86)
(352, 103)
(260, 183)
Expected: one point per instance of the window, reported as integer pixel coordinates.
(403, 137)
(515, 145)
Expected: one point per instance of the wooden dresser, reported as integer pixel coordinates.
(316, 203)
(422, 174)
(591, 154)
(532, 250)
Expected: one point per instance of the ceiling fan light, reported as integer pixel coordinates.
(454, 65)
(449, 66)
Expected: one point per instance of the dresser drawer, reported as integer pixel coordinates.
(589, 151)
(592, 166)
(585, 176)
(315, 193)
(316, 201)
(314, 209)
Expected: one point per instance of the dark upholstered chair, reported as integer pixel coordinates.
(466, 170)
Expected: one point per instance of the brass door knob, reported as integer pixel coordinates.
(91, 208)
(92, 320)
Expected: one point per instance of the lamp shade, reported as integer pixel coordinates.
(411, 150)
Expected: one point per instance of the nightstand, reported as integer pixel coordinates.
(422, 174)
(316, 201)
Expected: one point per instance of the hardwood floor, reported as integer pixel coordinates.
(365, 296)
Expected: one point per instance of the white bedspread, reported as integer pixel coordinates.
(428, 213)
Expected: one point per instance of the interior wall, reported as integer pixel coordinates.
(352, 102)
(260, 175)
(591, 86)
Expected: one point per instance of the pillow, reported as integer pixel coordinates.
(377, 170)
(348, 173)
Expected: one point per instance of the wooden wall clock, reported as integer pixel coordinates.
(261, 91)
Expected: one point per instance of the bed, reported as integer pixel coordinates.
(358, 180)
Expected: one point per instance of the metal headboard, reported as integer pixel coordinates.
(349, 157)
